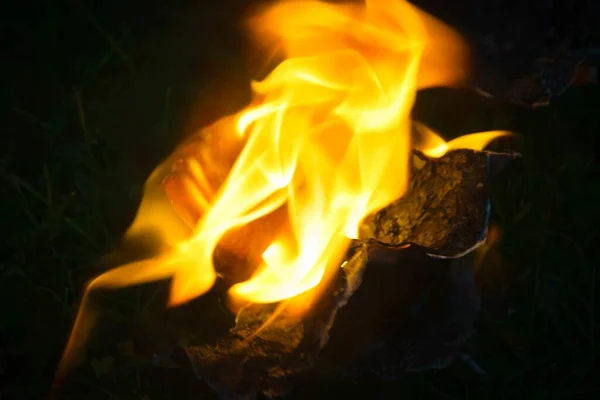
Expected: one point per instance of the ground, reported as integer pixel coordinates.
(96, 93)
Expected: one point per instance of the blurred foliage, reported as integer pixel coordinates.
(96, 93)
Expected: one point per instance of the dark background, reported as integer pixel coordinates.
(96, 93)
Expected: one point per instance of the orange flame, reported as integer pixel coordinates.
(327, 140)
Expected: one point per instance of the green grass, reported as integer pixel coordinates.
(97, 93)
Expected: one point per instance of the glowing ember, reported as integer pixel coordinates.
(326, 142)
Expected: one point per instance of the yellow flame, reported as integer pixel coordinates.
(432, 145)
(327, 140)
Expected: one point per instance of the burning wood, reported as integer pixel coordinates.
(283, 200)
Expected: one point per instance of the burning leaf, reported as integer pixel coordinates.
(326, 141)
(446, 208)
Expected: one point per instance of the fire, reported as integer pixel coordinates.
(433, 146)
(326, 141)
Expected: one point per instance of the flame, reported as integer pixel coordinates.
(434, 146)
(326, 142)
